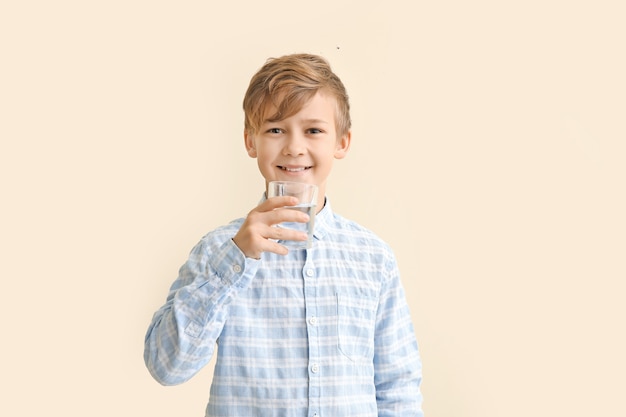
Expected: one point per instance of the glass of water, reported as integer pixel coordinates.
(307, 202)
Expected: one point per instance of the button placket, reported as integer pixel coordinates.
(312, 322)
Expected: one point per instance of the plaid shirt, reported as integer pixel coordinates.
(322, 332)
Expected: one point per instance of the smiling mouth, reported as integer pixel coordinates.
(292, 169)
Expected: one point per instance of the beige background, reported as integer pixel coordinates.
(489, 146)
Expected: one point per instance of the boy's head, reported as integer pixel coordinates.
(286, 84)
(297, 120)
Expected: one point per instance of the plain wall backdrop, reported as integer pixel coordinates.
(489, 149)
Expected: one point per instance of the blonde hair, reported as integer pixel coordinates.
(288, 83)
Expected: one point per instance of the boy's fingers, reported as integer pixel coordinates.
(270, 217)
(281, 233)
(277, 202)
(276, 248)
(285, 215)
(260, 231)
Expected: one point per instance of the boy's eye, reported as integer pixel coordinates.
(314, 130)
(275, 130)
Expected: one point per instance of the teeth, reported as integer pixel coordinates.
(294, 169)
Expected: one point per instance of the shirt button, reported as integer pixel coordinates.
(315, 368)
(313, 321)
(309, 272)
(237, 268)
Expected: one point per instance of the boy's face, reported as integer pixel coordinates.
(301, 147)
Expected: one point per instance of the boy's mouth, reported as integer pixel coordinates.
(293, 169)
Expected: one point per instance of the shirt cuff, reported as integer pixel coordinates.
(232, 266)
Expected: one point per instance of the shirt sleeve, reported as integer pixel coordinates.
(182, 335)
(397, 362)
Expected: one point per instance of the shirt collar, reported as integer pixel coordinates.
(323, 220)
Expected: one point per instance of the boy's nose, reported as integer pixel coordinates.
(294, 145)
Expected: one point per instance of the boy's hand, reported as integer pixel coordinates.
(255, 233)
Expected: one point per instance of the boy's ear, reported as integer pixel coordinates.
(249, 142)
(343, 144)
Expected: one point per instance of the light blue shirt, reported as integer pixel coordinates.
(321, 332)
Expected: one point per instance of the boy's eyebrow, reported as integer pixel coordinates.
(303, 121)
(315, 121)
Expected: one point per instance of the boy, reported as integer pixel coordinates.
(320, 332)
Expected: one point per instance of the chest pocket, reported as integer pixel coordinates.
(356, 321)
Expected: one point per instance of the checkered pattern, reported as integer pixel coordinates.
(323, 332)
